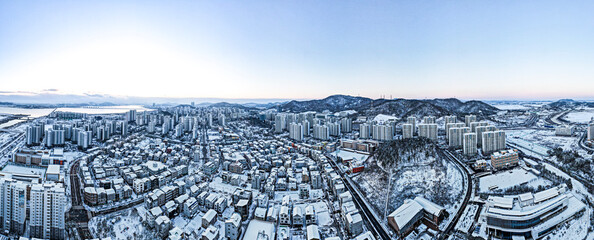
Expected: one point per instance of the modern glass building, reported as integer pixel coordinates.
(529, 215)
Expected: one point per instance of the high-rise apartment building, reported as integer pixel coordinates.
(452, 125)
(364, 130)
(383, 132)
(428, 119)
(412, 120)
(456, 136)
(470, 141)
(448, 120)
(14, 205)
(480, 130)
(493, 141)
(46, 215)
(469, 119)
(346, 125)
(407, 130)
(296, 131)
(428, 130)
(321, 132)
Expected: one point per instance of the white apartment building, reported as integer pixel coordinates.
(428, 119)
(456, 136)
(470, 141)
(364, 131)
(413, 121)
(428, 130)
(493, 141)
(46, 213)
(14, 205)
(383, 132)
(296, 131)
(480, 130)
(469, 119)
(407, 130)
(448, 120)
(321, 132)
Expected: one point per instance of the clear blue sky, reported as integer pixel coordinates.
(299, 49)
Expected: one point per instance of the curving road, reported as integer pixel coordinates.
(448, 155)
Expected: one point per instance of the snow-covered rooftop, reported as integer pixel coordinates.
(406, 212)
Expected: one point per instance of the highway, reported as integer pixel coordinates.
(372, 222)
(555, 118)
(582, 145)
(448, 155)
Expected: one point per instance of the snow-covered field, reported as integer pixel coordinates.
(583, 116)
(125, 224)
(380, 118)
(510, 106)
(543, 137)
(507, 179)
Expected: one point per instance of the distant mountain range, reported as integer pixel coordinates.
(568, 103)
(398, 107)
(335, 103)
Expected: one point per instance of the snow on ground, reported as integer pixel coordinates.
(467, 218)
(125, 224)
(346, 113)
(541, 140)
(583, 116)
(510, 106)
(380, 118)
(507, 179)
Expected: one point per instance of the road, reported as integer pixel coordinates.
(582, 145)
(555, 118)
(448, 155)
(78, 216)
(371, 221)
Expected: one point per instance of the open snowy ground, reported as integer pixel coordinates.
(583, 116)
(381, 118)
(511, 106)
(125, 224)
(543, 137)
(507, 179)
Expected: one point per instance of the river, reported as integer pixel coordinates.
(40, 112)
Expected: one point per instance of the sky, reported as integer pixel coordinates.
(298, 49)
